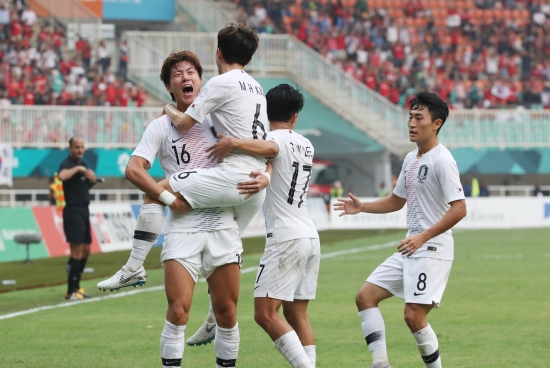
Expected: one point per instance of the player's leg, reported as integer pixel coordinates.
(221, 263)
(150, 223)
(207, 188)
(224, 284)
(85, 212)
(181, 257)
(385, 281)
(179, 286)
(287, 271)
(73, 271)
(425, 280)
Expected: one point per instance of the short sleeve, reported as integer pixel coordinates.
(276, 137)
(210, 98)
(65, 164)
(151, 140)
(447, 174)
(400, 189)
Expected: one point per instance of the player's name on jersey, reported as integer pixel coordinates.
(252, 89)
(302, 150)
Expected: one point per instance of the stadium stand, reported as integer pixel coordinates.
(37, 69)
(474, 53)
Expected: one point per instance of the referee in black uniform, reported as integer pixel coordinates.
(77, 180)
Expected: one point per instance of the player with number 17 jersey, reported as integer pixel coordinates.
(285, 205)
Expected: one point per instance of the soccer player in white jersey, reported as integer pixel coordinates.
(237, 106)
(430, 185)
(206, 239)
(289, 267)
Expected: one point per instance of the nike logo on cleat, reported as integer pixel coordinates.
(175, 140)
(417, 294)
(210, 329)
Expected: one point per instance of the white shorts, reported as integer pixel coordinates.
(215, 187)
(415, 280)
(289, 270)
(206, 250)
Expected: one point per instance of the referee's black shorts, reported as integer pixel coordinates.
(76, 223)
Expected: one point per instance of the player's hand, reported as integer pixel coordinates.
(82, 169)
(410, 244)
(348, 206)
(259, 182)
(90, 175)
(220, 149)
(179, 206)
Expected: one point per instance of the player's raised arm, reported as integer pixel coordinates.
(353, 205)
(181, 120)
(255, 147)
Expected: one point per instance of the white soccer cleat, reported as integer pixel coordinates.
(124, 278)
(381, 365)
(204, 335)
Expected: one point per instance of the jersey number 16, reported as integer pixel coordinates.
(184, 155)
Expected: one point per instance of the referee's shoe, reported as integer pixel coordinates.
(74, 297)
(82, 292)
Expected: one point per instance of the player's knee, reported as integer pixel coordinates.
(413, 319)
(295, 318)
(363, 301)
(178, 313)
(263, 318)
(226, 315)
(150, 200)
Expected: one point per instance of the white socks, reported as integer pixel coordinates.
(291, 349)
(427, 344)
(172, 342)
(374, 331)
(226, 346)
(311, 354)
(149, 225)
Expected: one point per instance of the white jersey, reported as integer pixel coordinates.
(238, 108)
(429, 184)
(176, 152)
(285, 208)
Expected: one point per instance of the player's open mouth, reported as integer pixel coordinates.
(187, 90)
(412, 133)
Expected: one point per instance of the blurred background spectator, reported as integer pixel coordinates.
(474, 53)
(37, 69)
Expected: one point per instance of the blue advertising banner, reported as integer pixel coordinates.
(45, 162)
(147, 10)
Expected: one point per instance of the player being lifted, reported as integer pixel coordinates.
(289, 267)
(201, 239)
(430, 185)
(237, 106)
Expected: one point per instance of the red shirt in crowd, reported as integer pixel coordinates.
(16, 28)
(370, 81)
(28, 98)
(111, 94)
(384, 89)
(140, 98)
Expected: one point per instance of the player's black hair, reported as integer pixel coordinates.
(237, 43)
(437, 108)
(283, 101)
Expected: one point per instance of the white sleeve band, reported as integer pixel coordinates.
(167, 197)
(268, 176)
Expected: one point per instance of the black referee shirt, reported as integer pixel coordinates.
(77, 188)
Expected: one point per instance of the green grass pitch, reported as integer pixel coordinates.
(495, 312)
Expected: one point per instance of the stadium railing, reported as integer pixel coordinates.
(39, 197)
(52, 126)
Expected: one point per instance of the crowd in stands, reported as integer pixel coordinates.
(36, 67)
(474, 53)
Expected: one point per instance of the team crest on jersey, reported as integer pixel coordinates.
(193, 106)
(422, 173)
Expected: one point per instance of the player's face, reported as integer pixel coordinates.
(76, 150)
(421, 126)
(185, 82)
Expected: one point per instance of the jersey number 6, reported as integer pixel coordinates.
(258, 124)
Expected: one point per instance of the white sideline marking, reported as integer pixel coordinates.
(156, 288)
